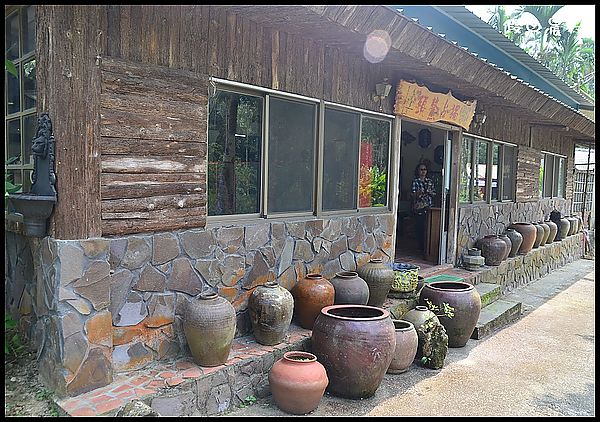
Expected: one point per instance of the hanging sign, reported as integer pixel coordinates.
(418, 102)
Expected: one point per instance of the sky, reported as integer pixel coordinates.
(570, 14)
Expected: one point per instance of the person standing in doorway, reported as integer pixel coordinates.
(422, 197)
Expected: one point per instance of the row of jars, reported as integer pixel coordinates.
(521, 237)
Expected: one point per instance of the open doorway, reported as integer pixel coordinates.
(429, 145)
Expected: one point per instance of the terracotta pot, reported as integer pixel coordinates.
(355, 344)
(311, 294)
(539, 234)
(419, 315)
(546, 233)
(553, 230)
(350, 288)
(516, 239)
(297, 382)
(493, 249)
(563, 229)
(379, 278)
(528, 232)
(209, 325)
(465, 300)
(407, 342)
(270, 307)
(508, 242)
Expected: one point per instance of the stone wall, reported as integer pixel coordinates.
(477, 221)
(109, 305)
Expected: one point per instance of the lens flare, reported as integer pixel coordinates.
(377, 45)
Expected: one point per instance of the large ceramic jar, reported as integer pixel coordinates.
(529, 232)
(209, 326)
(574, 224)
(553, 230)
(407, 342)
(580, 221)
(539, 234)
(311, 294)
(546, 233)
(419, 315)
(516, 239)
(270, 307)
(297, 382)
(355, 344)
(379, 278)
(493, 249)
(465, 300)
(563, 229)
(508, 242)
(350, 288)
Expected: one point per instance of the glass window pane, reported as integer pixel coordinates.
(479, 182)
(374, 147)
(29, 88)
(14, 141)
(561, 178)
(234, 153)
(542, 164)
(291, 156)
(29, 126)
(14, 176)
(28, 26)
(27, 180)
(340, 160)
(495, 154)
(465, 170)
(13, 102)
(11, 40)
(508, 173)
(548, 175)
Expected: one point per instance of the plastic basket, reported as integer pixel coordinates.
(406, 277)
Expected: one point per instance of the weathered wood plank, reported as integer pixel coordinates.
(122, 227)
(152, 204)
(131, 185)
(151, 164)
(143, 147)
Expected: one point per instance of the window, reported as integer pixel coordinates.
(552, 176)
(263, 153)
(20, 117)
(487, 171)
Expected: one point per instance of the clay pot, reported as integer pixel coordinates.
(539, 234)
(379, 278)
(580, 225)
(574, 224)
(407, 342)
(297, 382)
(270, 307)
(473, 252)
(516, 239)
(311, 294)
(355, 344)
(546, 232)
(465, 300)
(528, 232)
(553, 230)
(350, 288)
(419, 315)
(563, 230)
(508, 242)
(493, 249)
(209, 325)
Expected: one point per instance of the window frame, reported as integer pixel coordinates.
(557, 175)
(320, 105)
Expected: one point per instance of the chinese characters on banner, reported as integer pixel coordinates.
(420, 103)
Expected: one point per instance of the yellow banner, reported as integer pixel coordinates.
(419, 103)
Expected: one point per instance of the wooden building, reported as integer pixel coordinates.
(219, 147)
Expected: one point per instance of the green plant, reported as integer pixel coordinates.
(13, 345)
(378, 186)
(248, 401)
(445, 310)
(10, 67)
(9, 186)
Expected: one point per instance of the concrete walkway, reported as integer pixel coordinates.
(541, 365)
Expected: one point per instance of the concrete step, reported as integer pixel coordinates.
(495, 316)
(489, 292)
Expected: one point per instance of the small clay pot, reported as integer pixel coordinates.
(350, 288)
(546, 232)
(311, 294)
(516, 239)
(553, 231)
(493, 249)
(539, 234)
(407, 342)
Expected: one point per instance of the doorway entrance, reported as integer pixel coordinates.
(429, 145)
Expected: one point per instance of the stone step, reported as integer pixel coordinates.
(495, 316)
(489, 292)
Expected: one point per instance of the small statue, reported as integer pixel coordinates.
(43, 151)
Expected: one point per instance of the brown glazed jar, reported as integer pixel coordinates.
(407, 342)
(574, 224)
(465, 300)
(419, 315)
(580, 221)
(493, 249)
(553, 230)
(350, 288)
(539, 234)
(529, 233)
(563, 230)
(516, 239)
(298, 382)
(379, 278)
(546, 232)
(508, 242)
(209, 325)
(355, 344)
(270, 307)
(311, 294)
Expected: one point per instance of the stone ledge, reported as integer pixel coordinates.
(489, 292)
(496, 315)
